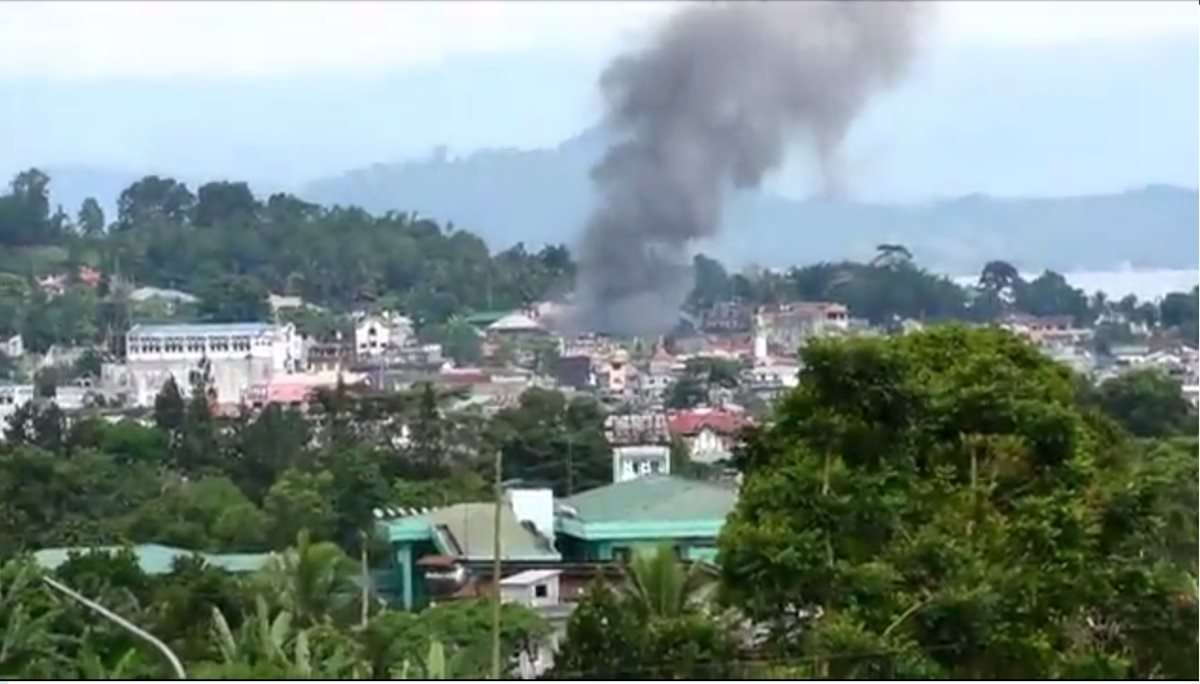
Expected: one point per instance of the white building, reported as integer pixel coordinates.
(376, 334)
(14, 347)
(532, 588)
(631, 462)
(539, 590)
(709, 434)
(240, 355)
(12, 397)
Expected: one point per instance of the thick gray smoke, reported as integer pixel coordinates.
(713, 104)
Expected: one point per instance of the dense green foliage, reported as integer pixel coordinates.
(940, 498)
(1147, 403)
(949, 502)
(653, 625)
(230, 248)
(549, 440)
(252, 483)
(273, 482)
(298, 618)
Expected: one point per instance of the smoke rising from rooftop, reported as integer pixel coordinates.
(713, 104)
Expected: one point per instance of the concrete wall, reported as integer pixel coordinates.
(141, 381)
(535, 506)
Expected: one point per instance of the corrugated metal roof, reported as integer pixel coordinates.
(465, 531)
(185, 329)
(653, 498)
(471, 525)
(529, 577)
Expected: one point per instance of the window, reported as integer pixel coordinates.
(195, 345)
(540, 591)
(655, 467)
(645, 467)
(219, 344)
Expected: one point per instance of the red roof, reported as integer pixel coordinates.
(721, 422)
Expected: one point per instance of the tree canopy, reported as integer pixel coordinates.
(940, 498)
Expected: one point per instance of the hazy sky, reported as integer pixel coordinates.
(1010, 97)
(222, 39)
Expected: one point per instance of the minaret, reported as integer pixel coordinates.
(760, 339)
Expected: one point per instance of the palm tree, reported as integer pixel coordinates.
(312, 580)
(658, 585)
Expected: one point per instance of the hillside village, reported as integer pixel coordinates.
(255, 363)
(697, 390)
(609, 445)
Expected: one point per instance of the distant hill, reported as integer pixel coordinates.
(541, 196)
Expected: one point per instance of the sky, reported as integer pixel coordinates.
(284, 92)
(101, 39)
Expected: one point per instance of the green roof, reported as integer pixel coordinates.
(660, 497)
(465, 531)
(155, 559)
(655, 506)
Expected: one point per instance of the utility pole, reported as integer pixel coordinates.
(499, 493)
(366, 577)
(125, 624)
(570, 465)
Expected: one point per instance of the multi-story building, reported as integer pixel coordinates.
(614, 375)
(12, 397)
(374, 335)
(1047, 331)
(724, 317)
(709, 434)
(625, 429)
(238, 356)
(788, 326)
(642, 460)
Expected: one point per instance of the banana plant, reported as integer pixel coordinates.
(26, 638)
(434, 667)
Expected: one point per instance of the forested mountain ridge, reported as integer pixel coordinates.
(543, 196)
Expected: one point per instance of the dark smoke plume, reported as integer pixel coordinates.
(713, 104)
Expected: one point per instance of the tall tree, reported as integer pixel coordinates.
(169, 409)
(234, 299)
(152, 200)
(939, 498)
(604, 640)
(550, 440)
(222, 201)
(91, 218)
(1148, 403)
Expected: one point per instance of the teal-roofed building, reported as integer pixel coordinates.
(607, 523)
(155, 559)
(446, 553)
(443, 548)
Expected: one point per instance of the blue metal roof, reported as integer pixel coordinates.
(156, 559)
(186, 329)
